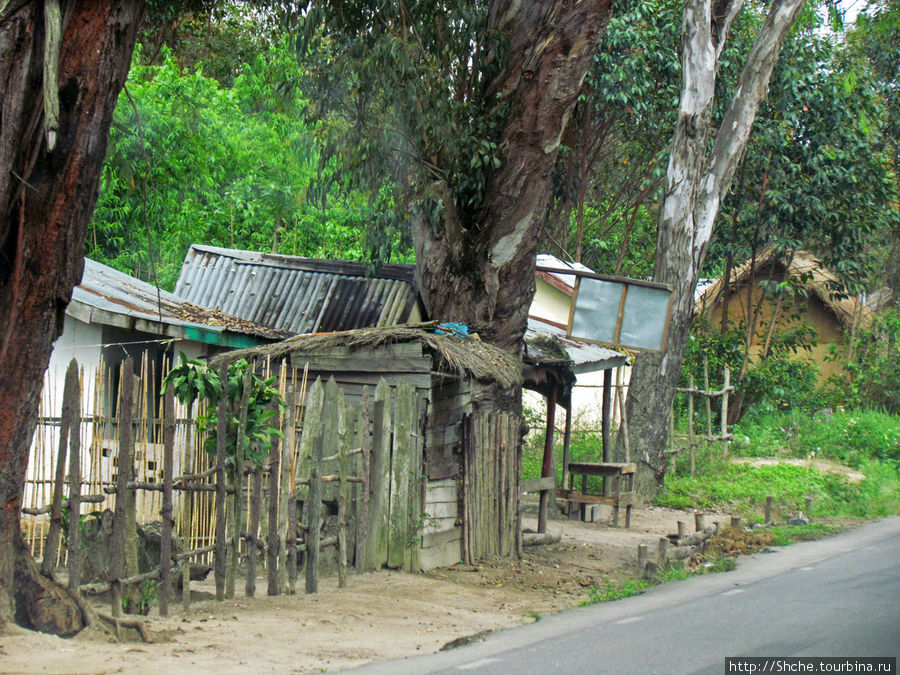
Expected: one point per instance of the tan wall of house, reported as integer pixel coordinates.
(810, 310)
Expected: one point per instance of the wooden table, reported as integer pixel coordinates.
(608, 470)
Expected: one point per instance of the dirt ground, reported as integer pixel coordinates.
(377, 616)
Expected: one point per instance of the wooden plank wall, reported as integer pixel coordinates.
(492, 466)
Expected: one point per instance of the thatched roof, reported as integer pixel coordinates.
(470, 357)
(822, 283)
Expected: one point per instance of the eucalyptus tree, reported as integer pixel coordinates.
(701, 166)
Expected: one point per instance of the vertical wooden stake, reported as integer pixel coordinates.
(693, 449)
(125, 528)
(237, 519)
(186, 586)
(165, 544)
(253, 531)
(706, 400)
(286, 537)
(342, 498)
(699, 522)
(69, 418)
(724, 420)
(768, 512)
(547, 468)
(662, 554)
(314, 519)
(641, 560)
(221, 434)
(74, 545)
(624, 416)
(273, 548)
(362, 514)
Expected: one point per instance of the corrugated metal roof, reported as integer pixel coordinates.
(564, 282)
(108, 296)
(585, 356)
(300, 295)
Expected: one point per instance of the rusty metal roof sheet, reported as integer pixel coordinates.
(585, 357)
(299, 295)
(110, 297)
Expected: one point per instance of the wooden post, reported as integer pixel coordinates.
(623, 419)
(768, 512)
(378, 531)
(362, 508)
(253, 531)
(273, 549)
(221, 436)
(119, 568)
(706, 400)
(662, 554)
(672, 449)
(314, 514)
(567, 452)
(237, 501)
(699, 522)
(68, 418)
(401, 480)
(604, 420)
(547, 468)
(724, 425)
(165, 544)
(682, 528)
(641, 560)
(693, 448)
(186, 586)
(287, 537)
(74, 544)
(343, 447)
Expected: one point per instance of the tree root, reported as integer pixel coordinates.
(109, 625)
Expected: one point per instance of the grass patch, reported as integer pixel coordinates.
(785, 535)
(609, 590)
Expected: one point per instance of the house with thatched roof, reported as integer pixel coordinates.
(812, 297)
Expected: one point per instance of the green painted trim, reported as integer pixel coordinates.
(213, 337)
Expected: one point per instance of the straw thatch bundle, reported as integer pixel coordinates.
(465, 356)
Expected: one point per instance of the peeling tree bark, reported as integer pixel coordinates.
(47, 196)
(696, 184)
(484, 276)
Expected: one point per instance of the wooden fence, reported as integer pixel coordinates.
(362, 464)
(691, 440)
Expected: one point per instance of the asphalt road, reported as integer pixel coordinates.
(834, 597)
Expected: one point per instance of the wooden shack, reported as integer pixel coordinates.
(452, 466)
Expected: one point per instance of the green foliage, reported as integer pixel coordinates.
(193, 380)
(610, 590)
(791, 534)
(745, 488)
(872, 376)
(193, 161)
(848, 437)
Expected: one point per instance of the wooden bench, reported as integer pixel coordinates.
(615, 471)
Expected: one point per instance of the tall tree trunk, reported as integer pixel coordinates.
(484, 276)
(49, 175)
(696, 183)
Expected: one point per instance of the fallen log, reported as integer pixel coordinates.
(539, 538)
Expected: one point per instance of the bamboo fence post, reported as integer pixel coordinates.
(693, 449)
(253, 531)
(273, 548)
(725, 388)
(67, 420)
(165, 544)
(237, 518)
(221, 434)
(706, 400)
(74, 544)
(314, 514)
(362, 509)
